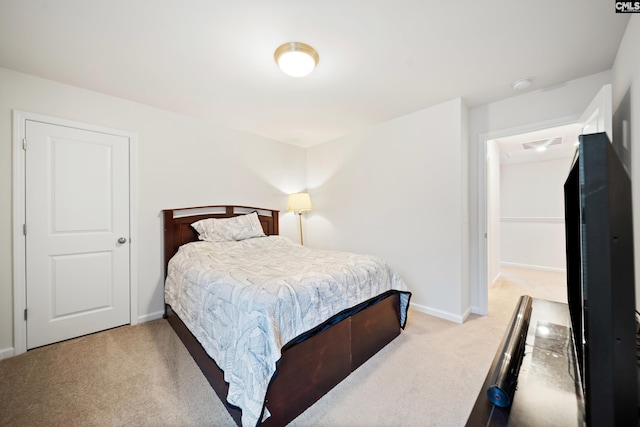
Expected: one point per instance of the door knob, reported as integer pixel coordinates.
(122, 240)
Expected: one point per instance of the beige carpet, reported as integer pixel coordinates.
(142, 376)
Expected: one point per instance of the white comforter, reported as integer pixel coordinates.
(245, 300)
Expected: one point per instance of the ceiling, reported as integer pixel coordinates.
(512, 150)
(213, 59)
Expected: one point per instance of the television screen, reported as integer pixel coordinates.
(600, 282)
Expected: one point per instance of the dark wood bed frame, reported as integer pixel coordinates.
(307, 370)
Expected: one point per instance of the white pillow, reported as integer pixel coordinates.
(228, 229)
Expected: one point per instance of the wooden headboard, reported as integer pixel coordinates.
(178, 230)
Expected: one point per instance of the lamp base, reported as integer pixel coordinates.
(300, 223)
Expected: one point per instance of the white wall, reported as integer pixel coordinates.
(181, 162)
(626, 77)
(532, 214)
(534, 110)
(399, 190)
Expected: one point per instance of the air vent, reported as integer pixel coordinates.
(542, 144)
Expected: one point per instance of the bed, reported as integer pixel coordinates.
(305, 363)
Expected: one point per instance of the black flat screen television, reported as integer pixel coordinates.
(600, 282)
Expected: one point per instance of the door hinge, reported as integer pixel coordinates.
(24, 229)
(25, 314)
(24, 144)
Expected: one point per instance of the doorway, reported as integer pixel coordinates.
(597, 117)
(525, 210)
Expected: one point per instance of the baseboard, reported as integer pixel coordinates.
(476, 310)
(150, 316)
(6, 353)
(466, 314)
(441, 314)
(495, 279)
(533, 267)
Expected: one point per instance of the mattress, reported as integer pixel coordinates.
(245, 300)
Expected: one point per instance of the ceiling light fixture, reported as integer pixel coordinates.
(542, 144)
(521, 84)
(296, 59)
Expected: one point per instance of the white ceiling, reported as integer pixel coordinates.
(512, 150)
(379, 59)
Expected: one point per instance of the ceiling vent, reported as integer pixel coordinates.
(542, 144)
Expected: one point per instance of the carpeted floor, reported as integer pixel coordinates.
(142, 376)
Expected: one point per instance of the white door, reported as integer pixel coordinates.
(77, 232)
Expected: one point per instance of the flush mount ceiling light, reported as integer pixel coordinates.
(542, 144)
(296, 59)
(521, 83)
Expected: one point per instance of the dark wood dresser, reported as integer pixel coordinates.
(548, 392)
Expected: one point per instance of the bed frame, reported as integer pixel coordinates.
(308, 369)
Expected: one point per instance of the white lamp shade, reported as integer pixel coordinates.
(299, 202)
